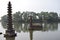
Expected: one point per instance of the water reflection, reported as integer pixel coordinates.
(25, 26)
(17, 26)
(31, 34)
(4, 24)
(50, 26)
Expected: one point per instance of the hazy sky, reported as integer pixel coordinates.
(30, 5)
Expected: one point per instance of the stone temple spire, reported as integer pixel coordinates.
(9, 8)
(9, 16)
(10, 31)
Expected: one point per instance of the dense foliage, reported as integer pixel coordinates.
(37, 17)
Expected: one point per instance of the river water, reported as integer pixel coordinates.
(50, 31)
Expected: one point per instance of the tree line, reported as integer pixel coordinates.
(36, 17)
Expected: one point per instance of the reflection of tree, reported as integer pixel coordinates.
(4, 24)
(25, 28)
(17, 26)
(53, 26)
(50, 26)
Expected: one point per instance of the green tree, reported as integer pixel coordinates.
(16, 16)
(53, 16)
(4, 18)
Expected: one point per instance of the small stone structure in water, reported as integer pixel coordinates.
(34, 26)
(10, 31)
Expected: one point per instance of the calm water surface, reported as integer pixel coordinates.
(50, 31)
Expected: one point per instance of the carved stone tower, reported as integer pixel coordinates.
(10, 31)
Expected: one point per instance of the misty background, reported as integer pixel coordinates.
(30, 5)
